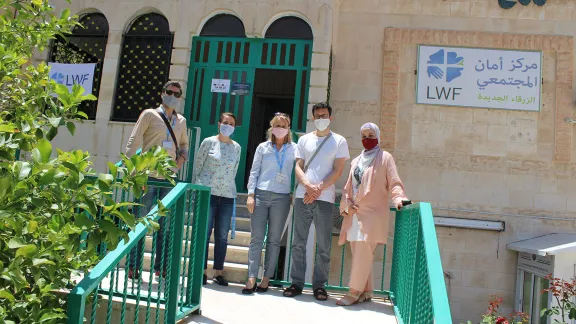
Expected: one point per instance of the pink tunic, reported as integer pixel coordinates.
(379, 183)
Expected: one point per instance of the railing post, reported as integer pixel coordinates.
(76, 308)
(176, 252)
(200, 221)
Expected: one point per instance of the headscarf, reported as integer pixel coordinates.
(366, 157)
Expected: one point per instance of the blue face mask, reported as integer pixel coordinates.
(226, 130)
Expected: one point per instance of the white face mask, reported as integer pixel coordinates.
(226, 130)
(171, 102)
(322, 124)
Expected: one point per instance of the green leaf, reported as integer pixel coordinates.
(47, 178)
(126, 217)
(51, 316)
(24, 169)
(5, 184)
(82, 221)
(71, 229)
(38, 2)
(52, 133)
(106, 178)
(36, 156)
(82, 114)
(65, 14)
(6, 295)
(61, 90)
(572, 314)
(71, 127)
(55, 121)
(7, 128)
(39, 262)
(27, 251)
(113, 169)
(45, 149)
(32, 226)
(16, 242)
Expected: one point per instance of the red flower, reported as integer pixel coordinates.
(501, 320)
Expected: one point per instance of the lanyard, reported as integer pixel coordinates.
(173, 122)
(279, 161)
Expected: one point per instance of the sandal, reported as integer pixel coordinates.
(349, 299)
(292, 291)
(320, 294)
(365, 297)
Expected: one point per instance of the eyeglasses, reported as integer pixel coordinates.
(174, 93)
(280, 114)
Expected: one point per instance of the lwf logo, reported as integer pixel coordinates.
(445, 66)
(69, 80)
(507, 4)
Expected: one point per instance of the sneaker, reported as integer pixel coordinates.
(133, 274)
(205, 280)
(221, 280)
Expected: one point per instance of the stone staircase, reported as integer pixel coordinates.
(236, 264)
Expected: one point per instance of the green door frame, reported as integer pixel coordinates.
(237, 59)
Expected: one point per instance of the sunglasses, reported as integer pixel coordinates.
(173, 93)
(279, 114)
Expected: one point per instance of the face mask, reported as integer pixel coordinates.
(280, 133)
(322, 124)
(369, 143)
(171, 102)
(226, 130)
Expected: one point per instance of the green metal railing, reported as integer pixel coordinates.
(148, 296)
(417, 288)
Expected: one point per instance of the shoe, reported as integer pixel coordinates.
(220, 280)
(157, 273)
(250, 291)
(262, 289)
(133, 274)
(204, 280)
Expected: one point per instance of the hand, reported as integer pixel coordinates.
(250, 204)
(399, 205)
(180, 162)
(313, 190)
(308, 199)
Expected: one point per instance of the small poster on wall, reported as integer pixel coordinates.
(240, 89)
(220, 85)
(70, 74)
(477, 77)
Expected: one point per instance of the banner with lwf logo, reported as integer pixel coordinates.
(70, 74)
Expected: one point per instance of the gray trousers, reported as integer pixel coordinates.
(270, 209)
(322, 214)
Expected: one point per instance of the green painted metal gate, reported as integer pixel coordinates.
(236, 59)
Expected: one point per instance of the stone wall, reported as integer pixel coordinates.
(511, 166)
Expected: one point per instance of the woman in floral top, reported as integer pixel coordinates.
(216, 166)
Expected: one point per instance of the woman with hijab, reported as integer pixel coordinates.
(216, 165)
(373, 179)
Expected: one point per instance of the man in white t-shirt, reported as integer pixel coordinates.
(316, 173)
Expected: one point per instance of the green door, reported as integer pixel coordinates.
(236, 60)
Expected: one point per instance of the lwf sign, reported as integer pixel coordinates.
(507, 4)
(71, 74)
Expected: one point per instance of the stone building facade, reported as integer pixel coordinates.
(512, 166)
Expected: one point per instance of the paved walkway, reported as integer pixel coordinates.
(227, 305)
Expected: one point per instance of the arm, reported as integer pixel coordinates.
(201, 158)
(239, 154)
(335, 175)
(255, 171)
(395, 186)
(183, 143)
(136, 138)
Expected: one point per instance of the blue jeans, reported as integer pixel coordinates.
(220, 218)
(150, 200)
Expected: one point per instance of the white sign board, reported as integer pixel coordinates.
(220, 85)
(536, 264)
(476, 77)
(70, 74)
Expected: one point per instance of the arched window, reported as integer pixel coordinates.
(224, 25)
(290, 27)
(143, 68)
(86, 44)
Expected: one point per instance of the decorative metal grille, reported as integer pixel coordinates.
(86, 44)
(144, 67)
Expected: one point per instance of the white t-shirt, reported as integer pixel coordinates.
(323, 164)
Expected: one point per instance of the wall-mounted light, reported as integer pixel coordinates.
(570, 120)
(479, 224)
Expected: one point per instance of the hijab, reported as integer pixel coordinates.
(366, 157)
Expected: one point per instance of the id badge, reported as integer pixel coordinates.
(281, 178)
(167, 144)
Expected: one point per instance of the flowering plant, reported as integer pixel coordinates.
(564, 293)
(493, 317)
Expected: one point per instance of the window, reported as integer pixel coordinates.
(290, 28)
(87, 44)
(223, 25)
(144, 67)
(533, 300)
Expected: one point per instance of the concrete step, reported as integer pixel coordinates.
(234, 272)
(240, 243)
(242, 236)
(234, 254)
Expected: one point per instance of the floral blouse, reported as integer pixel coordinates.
(216, 166)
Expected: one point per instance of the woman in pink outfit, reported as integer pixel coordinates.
(373, 179)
